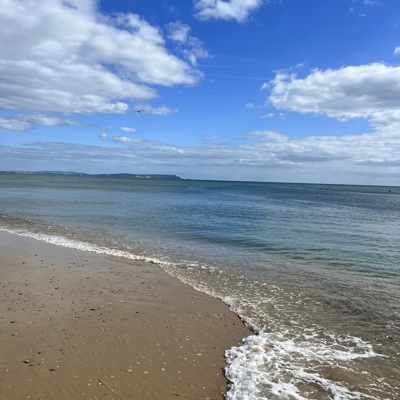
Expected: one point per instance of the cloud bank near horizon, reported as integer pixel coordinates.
(268, 155)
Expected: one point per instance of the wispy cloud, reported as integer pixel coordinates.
(191, 47)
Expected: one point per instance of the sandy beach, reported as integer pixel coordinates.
(88, 326)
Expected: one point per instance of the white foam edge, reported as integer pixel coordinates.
(83, 246)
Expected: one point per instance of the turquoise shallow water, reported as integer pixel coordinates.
(313, 269)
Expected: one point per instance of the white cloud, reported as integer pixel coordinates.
(397, 50)
(269, 115)
(238, 10)
(367, 91)
(26, 122)
(16, 125)
(161, 110)
(122, 139)
(64, 56)
(127, 129)
(178, 32)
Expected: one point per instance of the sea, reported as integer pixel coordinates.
(312, 269)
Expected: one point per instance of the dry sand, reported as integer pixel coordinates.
(78, 325)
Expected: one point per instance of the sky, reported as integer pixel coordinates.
(253, 90)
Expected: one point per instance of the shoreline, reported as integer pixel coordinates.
(83, 325)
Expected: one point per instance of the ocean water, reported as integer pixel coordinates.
(314, 270)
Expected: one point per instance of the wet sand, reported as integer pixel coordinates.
(78, 325)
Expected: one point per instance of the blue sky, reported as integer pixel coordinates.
(263, 90)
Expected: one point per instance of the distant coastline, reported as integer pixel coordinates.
(121, 175)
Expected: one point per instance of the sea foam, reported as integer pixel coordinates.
(271, 366)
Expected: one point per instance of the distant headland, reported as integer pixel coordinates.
(122, 175)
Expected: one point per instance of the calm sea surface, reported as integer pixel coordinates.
(313, 269)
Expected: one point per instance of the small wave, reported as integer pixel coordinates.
(84, 246)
